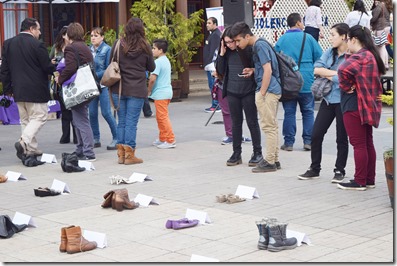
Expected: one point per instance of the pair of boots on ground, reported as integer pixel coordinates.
(70, 163)
(72, 240)
(273, 235)
(118, 199)
(126, 155)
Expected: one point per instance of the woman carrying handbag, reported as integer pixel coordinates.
(77, 53)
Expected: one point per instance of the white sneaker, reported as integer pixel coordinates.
(157, 142)
(166, 145)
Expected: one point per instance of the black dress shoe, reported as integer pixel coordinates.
(255, 159)
(44, 192)
(235, 159)
(31, 161)
(64, 141)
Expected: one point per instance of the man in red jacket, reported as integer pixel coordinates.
(24, 72)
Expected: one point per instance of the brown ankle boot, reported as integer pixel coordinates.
(130, 156)
(64, 240)
(120, 153)
(122, 201)
(76, 242)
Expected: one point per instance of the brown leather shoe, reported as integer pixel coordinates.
(120, 200)
(108, 199)
(64, 240)
(76, 242)
(3, 179)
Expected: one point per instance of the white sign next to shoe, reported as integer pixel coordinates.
(144, 200)
(60, 186)
(20, 218)
(138, 177)
(14, 176)
(246, 192)
(198, 215)
(99, 238)
(87, 165)
(301, 237)
(48, 158)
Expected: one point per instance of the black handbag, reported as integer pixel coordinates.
(8, 228)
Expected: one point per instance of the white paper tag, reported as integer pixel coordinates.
(14, 176)
(48, 158)
(246, 192)
(20, 218)
(198, 215)
(99, 238)
(198, 258)
(138, 177)
(60, 186)
(144, 200)
(89, 166)
(301, 237)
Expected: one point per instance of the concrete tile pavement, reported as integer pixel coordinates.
(344, 226)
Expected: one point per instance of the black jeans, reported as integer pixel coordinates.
(66, 119)
(324, 118)
(315, 32)
(236, 107)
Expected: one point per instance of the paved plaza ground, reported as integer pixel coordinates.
(343, 226)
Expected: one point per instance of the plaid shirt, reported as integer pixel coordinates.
(361, 71)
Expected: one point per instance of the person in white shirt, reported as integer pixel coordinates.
(359, 16)
(313, 19)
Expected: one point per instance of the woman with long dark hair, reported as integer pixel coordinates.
(359, 80)
(330, 107)
(313, 19)
(136, 58)
(358, 16)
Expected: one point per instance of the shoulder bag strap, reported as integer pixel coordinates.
(360, 18)
(301, 52)
(118, 58)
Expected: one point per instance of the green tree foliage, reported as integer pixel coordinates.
(184, 35)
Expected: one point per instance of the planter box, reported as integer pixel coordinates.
(389, 169)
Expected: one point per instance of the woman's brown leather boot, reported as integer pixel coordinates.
(62, 246)
(122, 201)
(120, 153)
(108, 199)
(76, 242)
(130, 156)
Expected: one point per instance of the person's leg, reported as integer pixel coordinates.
(289, 123)
(147, 111)
(323, 121)
(371, 166)
(82, 123)
(382, 49)
(121, 114)
(134, 107)
(236, 114)
(251, 116)
(227, 120)
(358, 139)
(342, 143)
(106, 111)
(268, 112)
(66, 120)
(37, 114)
(163, 121)
(93, 114)
(211, 80)
(306, 105)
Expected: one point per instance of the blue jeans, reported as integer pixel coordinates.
(211, 80)
(128, 114)
(106, 112)
(306, 105)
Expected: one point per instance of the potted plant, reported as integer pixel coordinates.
(184, 35)
(388, 155)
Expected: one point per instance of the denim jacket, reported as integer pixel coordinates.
(326, 61)
(101, 58)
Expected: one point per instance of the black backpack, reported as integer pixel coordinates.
(291, 80)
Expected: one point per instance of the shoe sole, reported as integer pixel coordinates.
(287, 149)
(336, 181)
(20, 150)
(263, 170)
(168, 147)
(233, 164)
(370, 186)
(226, 143)
(277, 249)
(352, 188)
(307, 178)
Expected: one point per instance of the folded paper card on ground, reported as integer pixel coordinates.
(14, 176)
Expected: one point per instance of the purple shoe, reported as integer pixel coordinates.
(184, 224)
(169, 223)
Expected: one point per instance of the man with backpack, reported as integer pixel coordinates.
(305, 50)
(268, 91)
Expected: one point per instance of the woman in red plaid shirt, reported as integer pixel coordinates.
(359, 80)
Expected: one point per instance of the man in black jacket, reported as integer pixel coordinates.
(24, 72)
(210, 52)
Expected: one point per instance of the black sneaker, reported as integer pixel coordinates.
(368, 185)
(87, 158)
(278, 165)
(310, 174)
(264, 167)
(352, 185)
(338, 177)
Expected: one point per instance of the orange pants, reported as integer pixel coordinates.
(163, 121)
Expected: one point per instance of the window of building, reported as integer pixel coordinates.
(13, 15)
